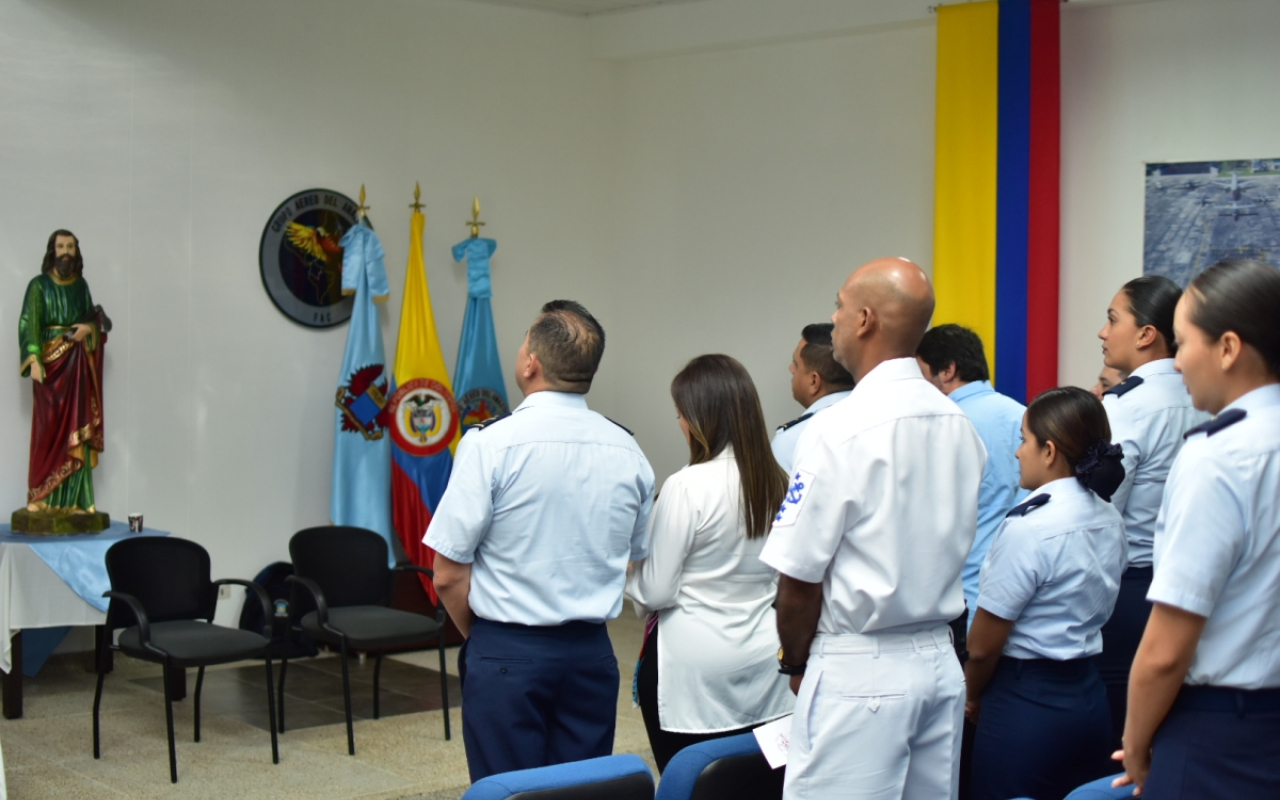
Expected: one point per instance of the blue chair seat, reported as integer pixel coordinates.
(624, 777)
(732, 767)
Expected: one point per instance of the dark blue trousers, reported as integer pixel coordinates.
(1120, 638)
(1043, 730)
(1217, 743)
(535, 696)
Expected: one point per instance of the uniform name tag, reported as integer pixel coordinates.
(797, 491)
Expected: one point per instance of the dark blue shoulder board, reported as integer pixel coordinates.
(1022, 509)
(1123, 387)
(479, 426)
(794, 422)
(1224, 420)
(620, 425)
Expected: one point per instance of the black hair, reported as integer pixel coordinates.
(818, 356)
(1241, 295)
(569, 342)
(1152, 299)
(1075, 421)
(948, 344)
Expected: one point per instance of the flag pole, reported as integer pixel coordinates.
(475, 222)
(362, 209)
(417, 205)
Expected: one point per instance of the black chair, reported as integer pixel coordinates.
(160, 592)
(342, 592)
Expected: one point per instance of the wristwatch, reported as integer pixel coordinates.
(788, 669)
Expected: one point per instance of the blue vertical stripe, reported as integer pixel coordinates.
(1012, 197)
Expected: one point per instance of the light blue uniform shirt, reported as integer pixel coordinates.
(1148, 421)
(548, 505)
(1217, 551)
(998, 420)
(1056, 573)
(784, 441)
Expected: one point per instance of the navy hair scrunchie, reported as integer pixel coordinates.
(1101, 470)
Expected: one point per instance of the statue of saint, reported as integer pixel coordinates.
(61, 334)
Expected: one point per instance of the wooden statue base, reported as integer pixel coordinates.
(58, 523)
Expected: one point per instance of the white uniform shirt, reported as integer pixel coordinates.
(1148, 421)
(786, 437)
(547, 505)
(1218, 545)
(1055, 571)
(717, 632)
(883, 505)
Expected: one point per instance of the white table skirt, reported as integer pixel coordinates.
(40, 600)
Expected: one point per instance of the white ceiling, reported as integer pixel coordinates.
(583, 8)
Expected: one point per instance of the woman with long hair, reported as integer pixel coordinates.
(1149, 412)
(708, 667)
(1204, 691)
(1049, 583)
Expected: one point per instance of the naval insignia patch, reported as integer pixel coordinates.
(799, 488)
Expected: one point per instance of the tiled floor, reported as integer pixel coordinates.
(48, 753)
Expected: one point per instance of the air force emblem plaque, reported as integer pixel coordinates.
(301, 259)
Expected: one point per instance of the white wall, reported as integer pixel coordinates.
(164, 134)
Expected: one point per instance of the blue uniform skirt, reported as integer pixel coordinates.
(1043, 730)
(1217, 742)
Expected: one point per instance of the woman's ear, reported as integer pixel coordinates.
(1230, 348)
(1050, 453)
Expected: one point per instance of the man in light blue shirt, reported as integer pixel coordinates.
(952, 358)
(544, 508)
(817, 383)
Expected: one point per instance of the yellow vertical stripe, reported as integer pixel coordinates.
(964, 215)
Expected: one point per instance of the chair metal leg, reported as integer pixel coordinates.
(271, 713)
(199, 686)
(97, 703)
(377, 675)
(168, 716)
(444, 687)
(346, 696)
(284, 667)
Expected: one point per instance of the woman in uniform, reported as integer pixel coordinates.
(1204, 693)
(1149, 412)
(709, 669)
(1048, 584)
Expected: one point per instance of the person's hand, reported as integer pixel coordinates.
(795, 683)
(37, 372)
(80, 331)
(1136, 768)
(972, 709)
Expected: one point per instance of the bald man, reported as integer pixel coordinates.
(870, 543)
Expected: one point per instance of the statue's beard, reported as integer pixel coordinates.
(66, 267)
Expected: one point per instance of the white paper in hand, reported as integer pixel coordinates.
(774, 738)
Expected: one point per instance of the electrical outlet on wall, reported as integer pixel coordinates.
(224, 592)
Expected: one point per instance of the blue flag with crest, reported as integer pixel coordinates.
(477, 377)
(361, 448)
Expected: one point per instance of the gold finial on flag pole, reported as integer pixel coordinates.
(362, 208)
(416, 205)
(475, 222)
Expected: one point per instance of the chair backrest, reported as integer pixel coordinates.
(732, 767)
(169, 577)
(1101, 789)
(623, 777)
(349, 564)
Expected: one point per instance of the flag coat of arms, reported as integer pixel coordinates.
(422, 414)
(477, 377)
(361, 493)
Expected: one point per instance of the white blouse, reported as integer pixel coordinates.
(717, 636)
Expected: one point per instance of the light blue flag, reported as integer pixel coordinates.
(361, 446)
(477, 378)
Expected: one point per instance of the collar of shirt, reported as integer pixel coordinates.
(895, 369)
(827, 400)
(1161, 366)
(1062, 487)
(1258, 399)
(970, 389)
(553, 400)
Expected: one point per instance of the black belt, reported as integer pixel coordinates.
(1227, 699)
(1138, 573)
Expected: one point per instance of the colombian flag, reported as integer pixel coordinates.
(995, 250)
(423, 414)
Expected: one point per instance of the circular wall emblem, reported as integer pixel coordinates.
(480, 404)
(424, 417)
(300, 257)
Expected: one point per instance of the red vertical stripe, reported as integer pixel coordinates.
(1043, 212)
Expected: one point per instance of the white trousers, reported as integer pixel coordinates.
(878, 716)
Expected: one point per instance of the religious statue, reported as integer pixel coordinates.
(61, 334)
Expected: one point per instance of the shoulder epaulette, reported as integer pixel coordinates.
(620, 425)
(794, 422)
(479, 426)
(1123, 387)
(1224, 420)
(1022, 509)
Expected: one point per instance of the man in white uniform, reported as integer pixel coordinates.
(870, 543)
(817, 383)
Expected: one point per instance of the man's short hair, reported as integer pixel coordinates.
(948, 344)
(817, 356)
(569, 342)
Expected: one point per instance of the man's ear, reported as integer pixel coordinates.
(815, 382)
(948, 373)
(867, 322)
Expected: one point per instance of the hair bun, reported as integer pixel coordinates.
(1101, 471)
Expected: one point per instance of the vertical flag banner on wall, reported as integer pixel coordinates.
(361, 493)
(996, 203)
(423, 417)
(477, 378)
